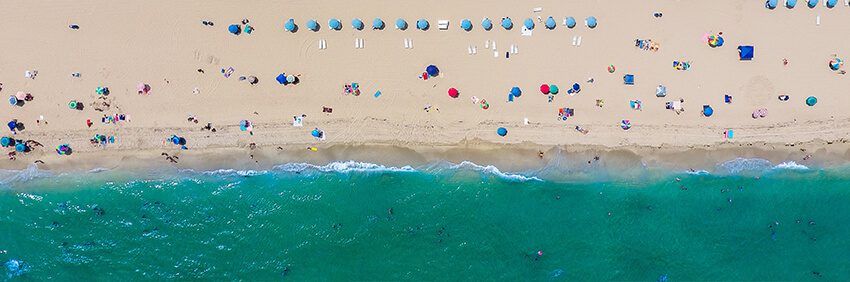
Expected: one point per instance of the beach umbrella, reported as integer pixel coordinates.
(20, 147)
(400, 24)
(550, 23)
(529, 23)
(831, 3)
(13, 101)
(281, 78)
(234, 28)
(334, 24)
(507, 23)
(453, 92)
(313, 25)
(707, 111)
(289, 25)
(432, 70)
(611, 68)
(576, 88)
(835, 64)
(181, 141)
(5, 141)
(812, 3)
(466, 24)
(143, 88)
(625, 124)
(719, 41)
(73, 104)
(571, 22)
(790, 3)
(175, 140)
(316, 133)
(487, 24)
(516, 91)
(21, 95)
(422, 24)
(63, 149)
(13, 124)
(357, 24)
(377, 23)
(290, 78)
(553, 89)
(661, 91)
(544, 88)
(253, 79)
(770, 4)
(244, 124)
(811, 101)
(502, 131)
(590, 22)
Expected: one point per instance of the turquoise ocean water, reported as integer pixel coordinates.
(448, 222)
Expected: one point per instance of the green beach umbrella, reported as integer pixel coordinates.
(553, 89)
(73, 104)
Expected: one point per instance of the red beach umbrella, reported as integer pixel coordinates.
(453, 92)
(544, 88)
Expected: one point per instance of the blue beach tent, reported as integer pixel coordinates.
(466, 24)
(400, 24)
(378, 23)
(571, 22)
(357, 24)
(550, 23)
(745, 52)
(486, 24)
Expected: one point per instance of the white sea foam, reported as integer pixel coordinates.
(24, 175)
(740, 165)
(342, 167)
(791, 165)
(237, 172)
(489, 169)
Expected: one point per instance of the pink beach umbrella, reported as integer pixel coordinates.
(453, 92)
(143, 88)
(21, 95)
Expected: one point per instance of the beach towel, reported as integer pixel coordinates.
(297, 121)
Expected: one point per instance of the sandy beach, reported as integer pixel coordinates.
(120, 44)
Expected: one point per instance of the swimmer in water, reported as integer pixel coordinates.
(539, 254)
(390, 214)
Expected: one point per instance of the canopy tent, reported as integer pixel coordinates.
(281, 78)
(400, 24)
(486, 24)
(507, 23)
(453, 92)
(770, 4)
(550, 23)
(529, 23)
(422, 24)
(377, 23)
(516, 92)
(234, 29)
(290, 25)
(745, 52)
(502, 131)
(357, 24)
(312, 25)
(811, 101)
(335, 24)
(707, 111)
(590, 22)
(432, 70)
(570, 22)
(466, 24)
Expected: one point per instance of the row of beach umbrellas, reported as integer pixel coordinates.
(423, 24)
(772, 4)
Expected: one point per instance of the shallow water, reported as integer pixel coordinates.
(448, 222)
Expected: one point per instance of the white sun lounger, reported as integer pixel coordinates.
(443, 24)
(579, 42)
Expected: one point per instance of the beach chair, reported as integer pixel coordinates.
(635, 104)
(727, 99)
(443, 24)
(661, 91)
(629, 79)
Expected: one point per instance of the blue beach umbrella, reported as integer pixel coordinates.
(13, 101)
(400, 24)
(175, 140)
(20, 147)
(550, 23)
(502, 131)
(244, 124)
(5, 141)
(234, 28)
(576, 87)
(432, 70)
(790, 3)
(12, 125)
(486, 24)
(313, 25)
(357, 24)
(422, 24)
(377, 23)
(831, 3)
(316, 133)
(707, 111)
(516, 91)
(466, 24)
(290, 25)
(529, 23)
(571, 22)
(507, 23)
(811, 101)
(812, 3)
(590, 21)
(334, 24)
(770, 4)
